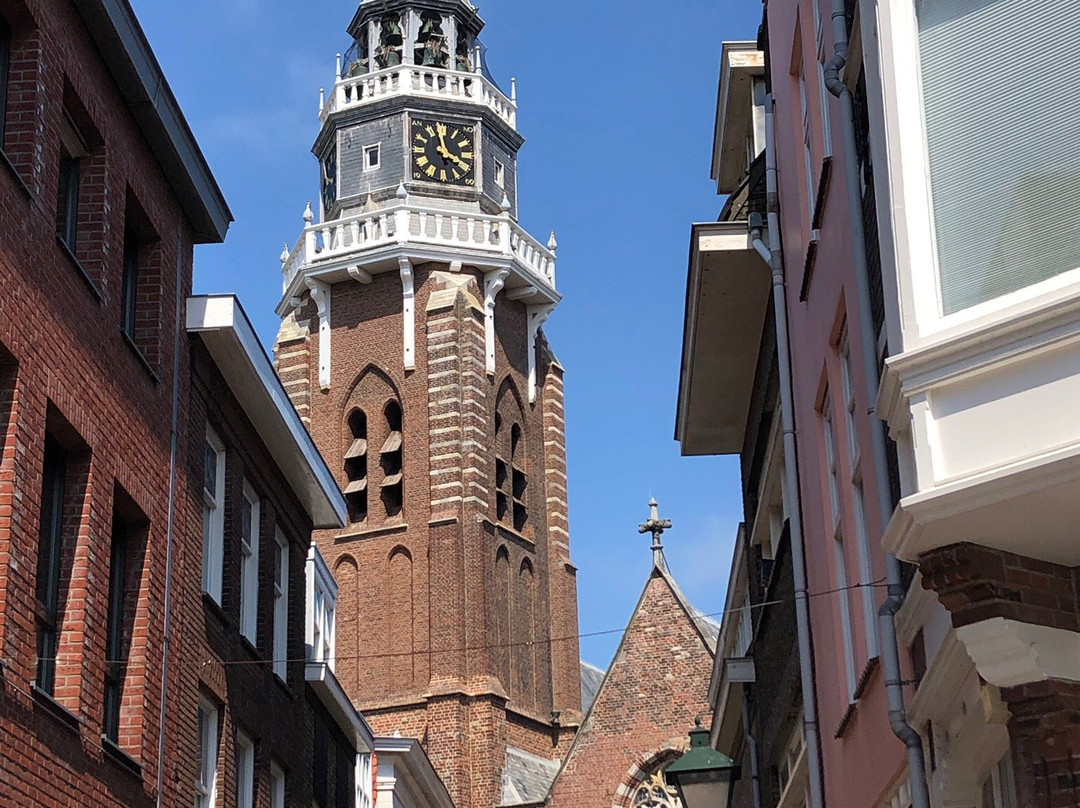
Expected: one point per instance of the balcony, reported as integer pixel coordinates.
(374, 241)
(413, 80)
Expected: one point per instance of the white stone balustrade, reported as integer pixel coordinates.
(477, 234)
(415, 80)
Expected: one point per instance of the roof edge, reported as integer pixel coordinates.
(129, 58)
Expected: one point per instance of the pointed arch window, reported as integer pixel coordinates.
(391, 458)
(356, 467)
(511, 480)
(519, 481)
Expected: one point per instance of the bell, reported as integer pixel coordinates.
(430, 27)
(392, 27)
(393, 58)
(358, 68)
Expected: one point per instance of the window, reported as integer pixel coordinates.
(356, 467)
(206, 781)
(5, 74)
(321, 608)
(843, 596)
(372, 157)
(50, 541)
(999, 790)
(789, 764)
(519, 480)
(392, 459)
(365, 786)
(249, 563)
(500, 174)
(344, 773)
(808, 151)
(281, 604)
(130, 288)
(823, 91)
(72, 151)
(115, 658)
(245, 771)
(511, 480)
(858, 499)
(1005, 194)
(745, 635)
(213, 515)
(277, 786)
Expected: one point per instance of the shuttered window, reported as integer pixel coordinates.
(997, 79)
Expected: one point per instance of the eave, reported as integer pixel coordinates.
(331, 694)
(740, 64)
(727, 295)
(228, 335)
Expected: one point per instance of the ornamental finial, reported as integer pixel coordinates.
(309, 214)
(657, 527)
(285, 253)
(553, 243)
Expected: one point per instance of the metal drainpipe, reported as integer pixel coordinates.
(173, 463)
(773, 254)
(755, 770)
(894, 683)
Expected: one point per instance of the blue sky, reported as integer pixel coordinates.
(616, 101)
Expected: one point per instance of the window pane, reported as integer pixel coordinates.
(1006, 185)
(67, 207)
(54, 472)
(130, 286)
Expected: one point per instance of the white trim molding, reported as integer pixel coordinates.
(408, 312)
(1008, 653)
(493, 284)
(320, 293)
(537, 317)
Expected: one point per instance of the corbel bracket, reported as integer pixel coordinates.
(320, 293)
(408, 308)
(537, 317)
(493, 284)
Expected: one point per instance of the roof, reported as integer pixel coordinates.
(527, 777)
(127, 55)
(591, 679)
(404, 761)
(226, 331)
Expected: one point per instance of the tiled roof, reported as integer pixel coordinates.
(527, 777)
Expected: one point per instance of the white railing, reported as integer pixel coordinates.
(408, 224)
(415, 80)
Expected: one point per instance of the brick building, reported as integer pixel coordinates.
(411, 345)
(103, 192)
(650, 697)
(887, 179)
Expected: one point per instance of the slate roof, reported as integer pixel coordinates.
(591, 679)
(527, 777)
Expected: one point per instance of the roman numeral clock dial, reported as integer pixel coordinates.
(443, 152)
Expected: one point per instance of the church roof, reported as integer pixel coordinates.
(591, 679)
(527, 777)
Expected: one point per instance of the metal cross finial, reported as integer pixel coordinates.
(656, 526)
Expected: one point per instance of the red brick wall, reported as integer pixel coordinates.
(60, 332)
(420, 645)
(655, 689)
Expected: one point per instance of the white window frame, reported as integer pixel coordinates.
(745, 635)
(365, 796)
(1001, 782)
(281, 606)
(823, 91)
(277, 786)
(843, 596)
(321, 610)
(214, 521)
(369, 150)
(858, 499)
(832, 460)
(208, 741)
(249, 566)
(245, 771)
(808, 150)
(500, 174)
(905, 191)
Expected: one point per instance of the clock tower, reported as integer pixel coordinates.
(412, 345)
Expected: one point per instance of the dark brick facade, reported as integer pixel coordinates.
(67, 370)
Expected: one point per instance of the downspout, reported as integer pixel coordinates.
(792, 503)
(894, 683)
(170, 532)
(755, 769)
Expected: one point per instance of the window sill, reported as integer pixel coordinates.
(845, 722)
(509, 532)
(808, 267)
(81, 270)
(252, 650)
(139, 355)
(867, 675)
(16, 175)
(369, 533)
(57, 710)
(121, 758)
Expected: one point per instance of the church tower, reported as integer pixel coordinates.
(411, 344)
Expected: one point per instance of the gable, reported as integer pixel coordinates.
(655, 688)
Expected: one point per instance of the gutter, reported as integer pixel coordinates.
(792, 499)
(890, 647)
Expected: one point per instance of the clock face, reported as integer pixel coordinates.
(443, 152)
(329, 180)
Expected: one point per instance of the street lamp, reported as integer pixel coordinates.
(703, 777)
